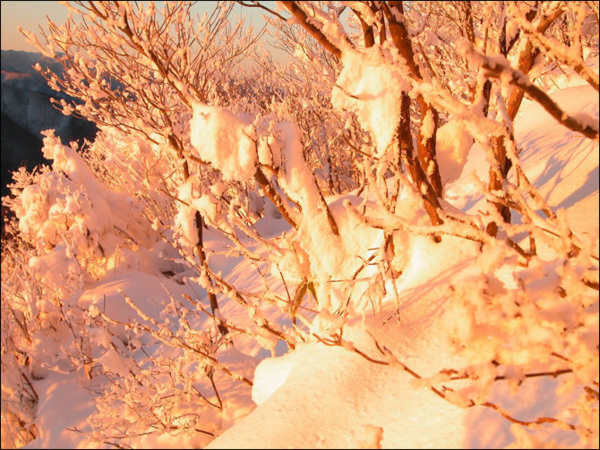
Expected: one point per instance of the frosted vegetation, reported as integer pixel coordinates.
(389, 241)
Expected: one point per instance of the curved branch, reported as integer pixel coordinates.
(308, 24)
(263, 7)
(519, 79)
(442, 392)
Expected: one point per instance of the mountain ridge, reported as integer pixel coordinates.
(27, 110)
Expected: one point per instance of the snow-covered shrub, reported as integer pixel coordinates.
(75, 233)
(20, 296)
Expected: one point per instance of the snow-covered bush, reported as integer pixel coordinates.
(355, 147)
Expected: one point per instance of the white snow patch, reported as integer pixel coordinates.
(224, 140)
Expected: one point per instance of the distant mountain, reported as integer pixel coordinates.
(16, 137)
(18, 71)
(26, 111)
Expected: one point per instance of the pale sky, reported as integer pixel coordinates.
(28, 15)
(31, 14)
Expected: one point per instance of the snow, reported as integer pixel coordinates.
(225, 140)
(557, 174)
(563, 186)
(329, 396)
(351, 404)
(371, 87)
(359, 368)
(453, 145)
(70, 396)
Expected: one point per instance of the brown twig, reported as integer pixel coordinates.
(392, 360)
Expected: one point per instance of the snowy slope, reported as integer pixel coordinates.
(328, 396)
(323, 396)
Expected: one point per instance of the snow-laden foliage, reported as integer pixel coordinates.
(220, 216)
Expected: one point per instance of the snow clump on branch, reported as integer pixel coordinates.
(224, 140)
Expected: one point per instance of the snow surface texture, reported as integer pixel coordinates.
(322, 396)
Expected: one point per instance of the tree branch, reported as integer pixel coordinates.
(308, 24)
